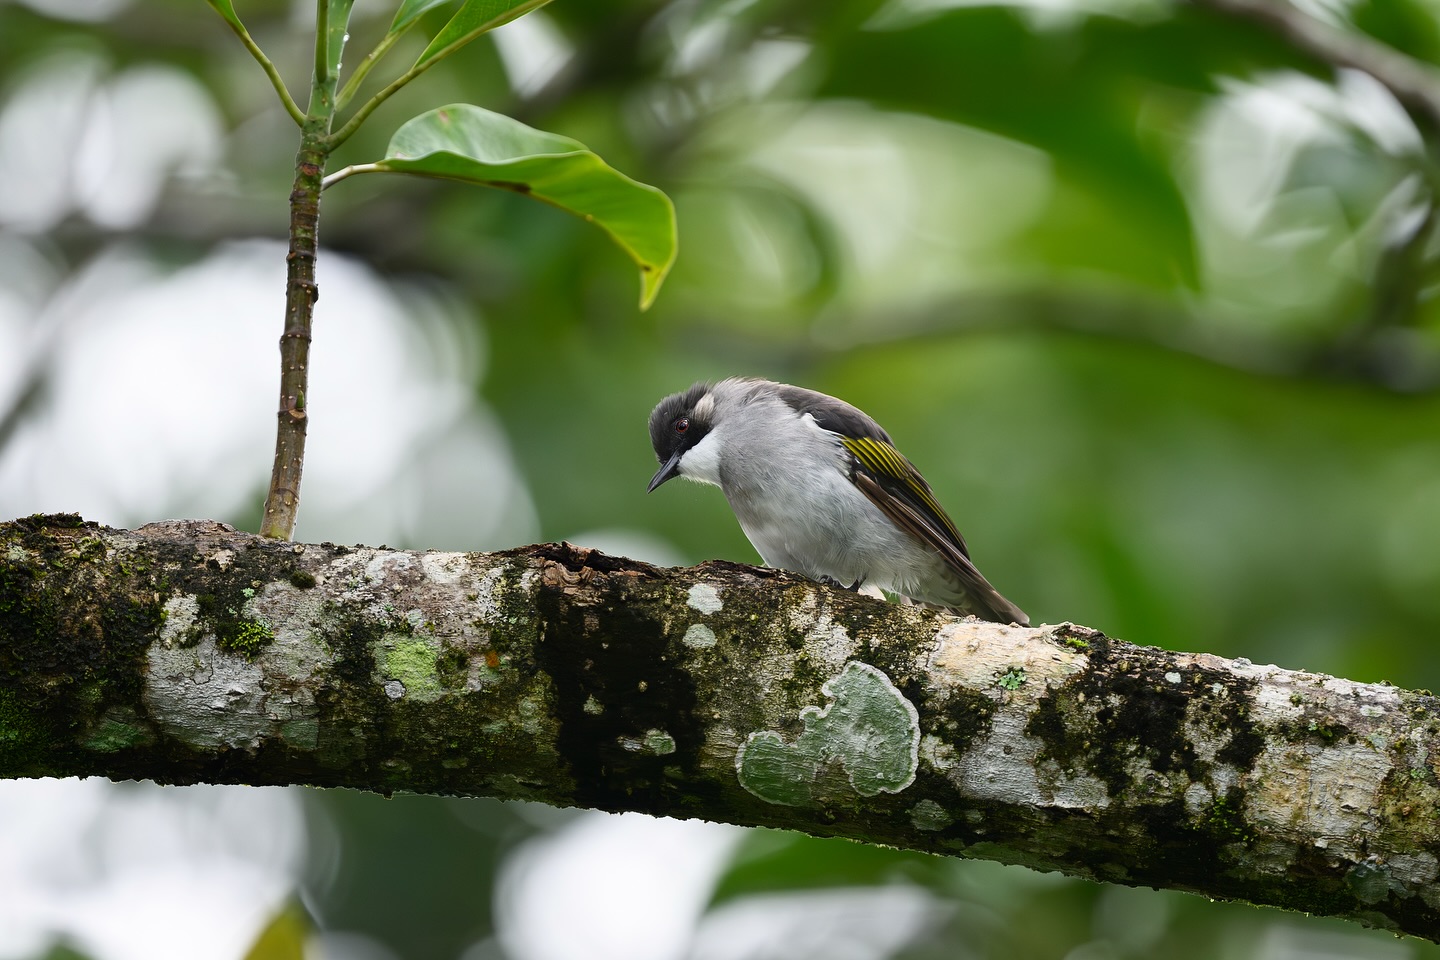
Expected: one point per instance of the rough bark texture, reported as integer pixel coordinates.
(185, 652)
(282, 500)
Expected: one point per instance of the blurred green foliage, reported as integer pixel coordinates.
(1146, 292)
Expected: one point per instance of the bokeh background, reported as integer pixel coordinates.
(1147, 294)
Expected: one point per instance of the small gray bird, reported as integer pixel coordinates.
(819, 488)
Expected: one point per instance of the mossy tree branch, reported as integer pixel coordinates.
(187, 652)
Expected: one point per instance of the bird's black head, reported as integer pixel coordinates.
(677, 423)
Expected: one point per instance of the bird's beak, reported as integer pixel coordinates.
(671, 469)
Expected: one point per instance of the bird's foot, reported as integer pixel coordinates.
(832, 582)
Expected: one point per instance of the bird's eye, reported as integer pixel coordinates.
(682, 425)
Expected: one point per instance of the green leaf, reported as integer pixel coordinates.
(226, 9)
(1123, 212)
(412, 10)
(466, 143)
(773, 861)
(283, 937)
(474, 18)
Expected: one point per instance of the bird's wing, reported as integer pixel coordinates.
(890, 477)
(893, 484)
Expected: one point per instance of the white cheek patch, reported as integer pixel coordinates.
(702, 461)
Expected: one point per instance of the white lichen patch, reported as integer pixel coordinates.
(350, 571)
(1374, 694)
(1005, 766)
(208, 697)
(869, 730)
(487, 595)
(384, 562)
(829, 641)
(1414, 869)
(444, 568)
(976, 653)
(1330, 791)
(180, 613)
(293, 616)
(699, 637)
(1278, 701)
(205, 697)
(1198, 798)
(1173, 676)
(705, 598)
(221, 558)
(941, 756)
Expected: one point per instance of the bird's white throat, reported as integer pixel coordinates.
(701, 462)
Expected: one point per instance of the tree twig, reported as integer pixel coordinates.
(347, 172)
(276, 80)
(1414, 84)
(282, 499)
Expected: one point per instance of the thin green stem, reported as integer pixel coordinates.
(353, 124)
(291, 107)
(352, 86)
(369, 107)
(349, 171)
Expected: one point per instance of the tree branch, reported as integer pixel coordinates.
(1416, 85)
(185, 652)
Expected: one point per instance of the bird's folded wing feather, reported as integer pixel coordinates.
(894, 485)
(890, 479)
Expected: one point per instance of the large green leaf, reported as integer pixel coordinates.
(467, 143)
(474, 18)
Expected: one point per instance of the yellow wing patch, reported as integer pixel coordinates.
(884, 460)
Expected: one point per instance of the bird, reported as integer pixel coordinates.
(820, 489)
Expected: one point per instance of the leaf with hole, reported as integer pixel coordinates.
(473, 145)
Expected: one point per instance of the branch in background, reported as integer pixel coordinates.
(186, 652)
(1415, 84)
(1367, 355)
